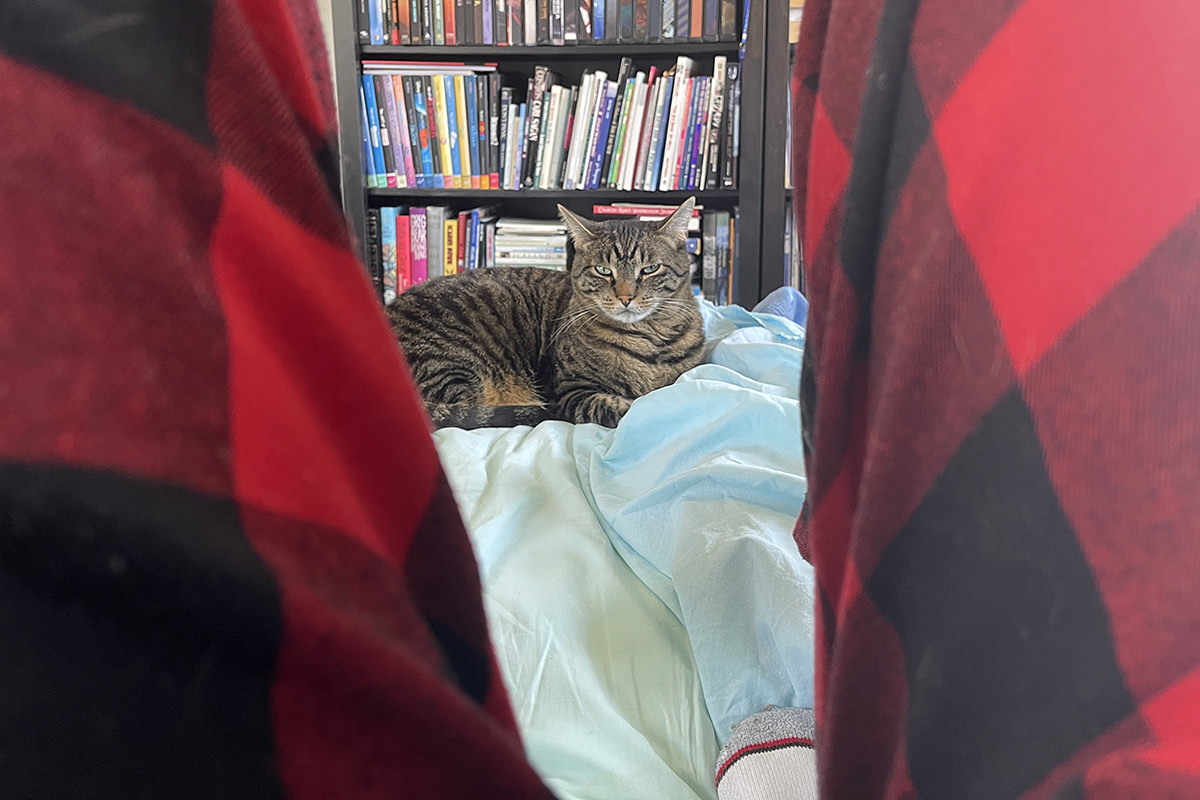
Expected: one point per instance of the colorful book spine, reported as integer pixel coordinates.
(405, 134)
(493, 131)
(598, 21)
(385, 131)
(597, 159)
(447, 146)
(380, 172)
(682, 19)
(368, 155)
(668, 20)
(465, 133)
(716, 118)
(400, 22)
(659, 143)
(397, 134)
(449, 21)
(504, 124)
(419, 253)
(426, 82)
(387, 239)
(403, 251)
(622, 123)
(698, 134)
(416, 24)
(376, 14)
(414, 91)
(450, 246)
(470, 126)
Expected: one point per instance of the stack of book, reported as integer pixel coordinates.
(529, 243)
(458, 126)
(544, 22)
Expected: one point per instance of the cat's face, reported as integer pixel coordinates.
(631, 269)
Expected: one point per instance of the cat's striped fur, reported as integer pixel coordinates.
(515, 346)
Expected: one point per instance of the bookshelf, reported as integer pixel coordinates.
(754, 273)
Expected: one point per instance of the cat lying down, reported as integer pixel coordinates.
(515, 346)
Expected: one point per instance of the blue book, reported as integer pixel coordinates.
(376, 14)
(473, 239)
(519, 160)
(660, 136)
(373, 120)
(598, 19)
(433, 179)
(596, 162)
(693, 172)
(472, 122)
(452, 123)
(368, 155)
(685, 135)
(387, 241)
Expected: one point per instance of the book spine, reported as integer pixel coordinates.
(416, 25)
(480, 120)
(724, 259)
(462, 133)
(696, 21)
(612, 20)
(494, 131)
(584, 10)
(624, 20)
(641, 20)
(460, 257)
(469, 125)
(709, 30)
(613, 166)
(473, 239)
(668, 20)
(557, 22)
(658, 134)
(598, 19)
(500, 21)
(403, 251)
(633, 146)
(425, 83)
(368, 153)
(462, 15)
(685, 135)
(426, 22)
(734, 83)
(477, 23)
(435, 218)
(610, 141)
(387, 238)
(712, 161)
(698, 135)
(447, 147)
(727, 21)
(639, 168)
(385, 11)
(517, 145)
(488, 17)
(530, 22)
(580, 113)
(372, 109)
(542, 26)
(420, 253)
(418, 125)
(399, 22)
(708, 255)
(516, 22)
(413, 167)
(536, 98)
(541, 171)
(398, 124)
(570, 21)
(505, 116)
(364, 21)
(682, 19)
(654, 21)
(374, 250)
(674, 124)
(385, 131)
(375, 11)
(449, 21)
(439, 22)
(450, 246)
(596, 163)
(568, 132)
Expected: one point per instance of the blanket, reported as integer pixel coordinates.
(641, 583)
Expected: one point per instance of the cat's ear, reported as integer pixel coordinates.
(675, 227)
(579, 227)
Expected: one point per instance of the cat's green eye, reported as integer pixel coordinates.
(650, 270)
(605, 271)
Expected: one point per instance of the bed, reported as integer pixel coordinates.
(641, 583)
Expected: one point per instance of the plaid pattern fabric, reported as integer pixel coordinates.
(229, 563)
(1001, 209)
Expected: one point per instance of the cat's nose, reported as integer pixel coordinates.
(625, 299)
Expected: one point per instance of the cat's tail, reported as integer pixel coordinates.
(466, 415)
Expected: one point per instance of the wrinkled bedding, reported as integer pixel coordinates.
(641, 584)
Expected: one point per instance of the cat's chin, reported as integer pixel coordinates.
(629, 316)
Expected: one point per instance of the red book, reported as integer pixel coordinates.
(403, 253)
(448, 22)
(639, 211)
(464, 222)
(419, 251)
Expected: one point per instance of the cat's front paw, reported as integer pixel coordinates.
(605, 410)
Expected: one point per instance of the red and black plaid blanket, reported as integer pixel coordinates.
(1001, 206)
(229, 563)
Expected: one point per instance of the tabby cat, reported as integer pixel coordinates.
(515, 346)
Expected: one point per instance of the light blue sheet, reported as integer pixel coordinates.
(641, 584)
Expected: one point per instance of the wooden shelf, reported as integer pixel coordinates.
(545, 52)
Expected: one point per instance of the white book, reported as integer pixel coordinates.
(560, 140)
(581, 106)
(662, 106)
(548, 135)
(639, 168)
(675, 121)
(575, 169)
(633, 140)
(716, 99)
(435, 222)
(530, 21)
(512, 146)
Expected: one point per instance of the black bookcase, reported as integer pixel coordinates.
(759, 258)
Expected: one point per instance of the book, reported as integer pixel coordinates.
(462, 21)
(584, 11)
(658, 132)
(653, 90)
(439, 22)
(727, 21)
(641, 20)
(383, 89)
(567, 128)
(418, 137)
(711, 15)
(487, 16)
(387, 238)
(598, 20)
(378, 170)
(416, 25)
(625, 20)
(696, 21)
(461, 132)
(403, 251)
(632, 149)
(435, 219)
(626, 66)
(682, 19)
(376, 18)
(368, 156)
(668, 20)
(408, 124)
(596, 162)
(460, 253)
(419, 226)
(579, 131)
(622, 125)
(536, 98)
(500, 21)
(447, 148)
(542, 21)
(654, 20)
(477, 20)
(733, 83)
(688, 132)
(712, 151)
(530, 23)
(364, 21)
(426, 22)
(374, 250)
(385, 13)
(450, 21)
(708, 255)
(557, 22)
(570, 22)
(493, 131)
(414, 89)
(542, 170)
(505, 115)
(675, 121)
(516, 22)
(450, 246)
(399, 22)
(723, 233)
(470, 126)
